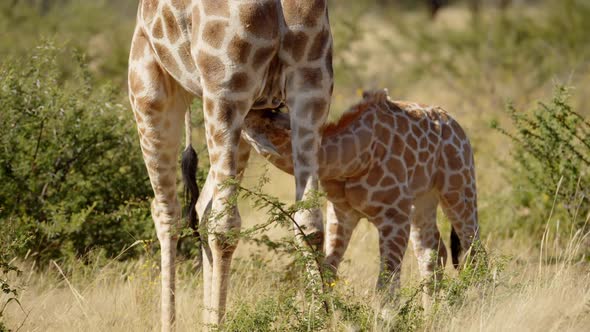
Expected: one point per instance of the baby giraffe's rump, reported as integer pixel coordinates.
(392, 163)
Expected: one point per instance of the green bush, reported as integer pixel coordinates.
(71, 172)
(102, 28)
(552, 158)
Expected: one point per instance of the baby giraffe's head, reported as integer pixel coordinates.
(269, 132)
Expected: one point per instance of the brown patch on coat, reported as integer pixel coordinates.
(216, 7)
(409, 157)
(318, 45)
(397, 168)
(239, 50)
(310, 78)
(172, 28)
(212, 70)
(446, 132)
(158, 29)
(307, 13)
(403, 125)
(416, 131)
(167, 59)
(148, 9)
(398, 145)
(260, 19)
(239, 82)
(294, 43)
(453, 158)
(214, 32)
(455, 181)
(412, 143)
(387, 181)
(386, 230)
(316, 107)
(149, 105)
(180, 4)
(356, 194)
(262, 56)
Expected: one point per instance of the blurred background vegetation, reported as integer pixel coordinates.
(73, 183)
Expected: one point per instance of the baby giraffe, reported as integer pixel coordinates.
(392, 163)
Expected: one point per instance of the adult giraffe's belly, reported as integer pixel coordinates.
(179, 31)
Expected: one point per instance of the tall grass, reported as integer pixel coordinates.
(539, 293)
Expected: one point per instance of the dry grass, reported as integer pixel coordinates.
(530, 296)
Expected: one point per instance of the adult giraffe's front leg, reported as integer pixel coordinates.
(308, 113)
(203, 208)
(223, 122)
(159, 104)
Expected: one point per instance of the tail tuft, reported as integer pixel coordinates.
(455, 248)
(190, 162)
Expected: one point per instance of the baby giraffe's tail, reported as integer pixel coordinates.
(189, 165)
(455, 248)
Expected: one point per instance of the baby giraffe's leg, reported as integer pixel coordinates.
(394, 229)
(341, 221)
(429, 249)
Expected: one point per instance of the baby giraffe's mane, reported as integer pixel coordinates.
(370, 99)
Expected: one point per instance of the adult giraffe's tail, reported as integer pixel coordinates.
(189, 165)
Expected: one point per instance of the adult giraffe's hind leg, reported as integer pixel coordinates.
(159, 104)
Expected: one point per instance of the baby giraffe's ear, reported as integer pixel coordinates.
(260, 142)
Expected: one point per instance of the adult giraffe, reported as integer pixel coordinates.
(236, 56)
